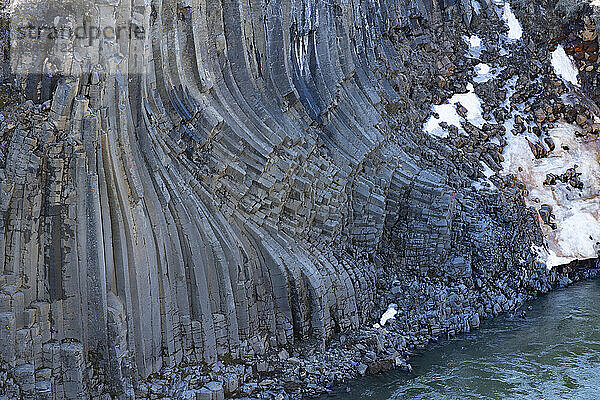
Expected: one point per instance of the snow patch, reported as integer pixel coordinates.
(482, 69)
(388, 315)
(475, 46)
(563, 66)
(448, 114)
(576, 212)
(579, 231)
(474, 41)
(484, 73)
(484, 184)
(515, 32)
(552, 260)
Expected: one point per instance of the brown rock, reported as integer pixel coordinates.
(590, 47)
(461, 110)
(550, 180)
(550, 143)
(538, 149)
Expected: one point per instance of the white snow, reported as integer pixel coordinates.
(552, 260)
(473, 105)
(474, 41)
(579, 230)
(541, 253)
(389, 314)
(483, 184)
(577, 212)
(475, 46)
(515, 32)
(482, 69)
(447, 113)
(484, 73)
(563, 66)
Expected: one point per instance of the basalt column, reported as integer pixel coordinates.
(212, 184)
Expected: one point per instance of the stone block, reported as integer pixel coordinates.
(29, 316)
(18, 306)
(24, 377)
(204, 394)
(5, 302)
(8, 336)
(43, 390)
(230, 383)
(216, 390)
(23, 347)
(71, 355)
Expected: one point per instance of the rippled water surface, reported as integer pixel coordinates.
(553, 354)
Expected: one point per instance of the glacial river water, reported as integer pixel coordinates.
(552, 354)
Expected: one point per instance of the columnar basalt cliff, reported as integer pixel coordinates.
(235, 178)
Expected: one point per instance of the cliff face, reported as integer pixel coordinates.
(231, 178)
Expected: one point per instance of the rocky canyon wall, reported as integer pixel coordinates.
(230, 178)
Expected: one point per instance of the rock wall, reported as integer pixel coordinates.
(228, 183)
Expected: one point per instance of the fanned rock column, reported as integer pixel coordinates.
(213, 184)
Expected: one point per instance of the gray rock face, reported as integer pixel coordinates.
(225, 186)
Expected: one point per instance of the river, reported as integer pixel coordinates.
(554, 353)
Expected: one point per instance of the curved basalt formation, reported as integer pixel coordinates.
(226, 179)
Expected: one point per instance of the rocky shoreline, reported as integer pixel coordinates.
(311, 370)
